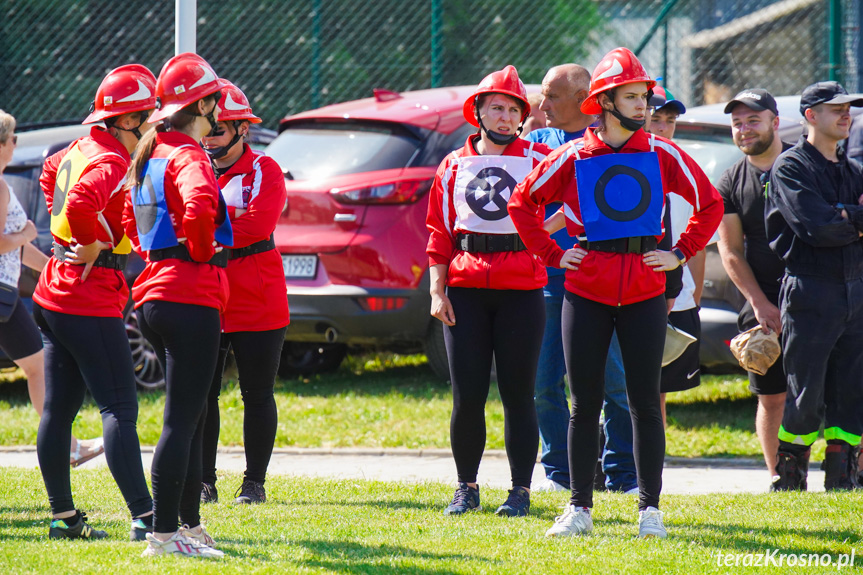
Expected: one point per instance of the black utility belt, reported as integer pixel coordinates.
(256, 248)
(634, 245)
(179, 252)
(489, 243)
(106, 259)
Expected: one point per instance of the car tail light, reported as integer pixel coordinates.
(382, 303)
(402, 192)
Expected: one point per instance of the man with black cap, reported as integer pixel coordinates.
(814, 223)
(746, 255)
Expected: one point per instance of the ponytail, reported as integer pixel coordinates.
(143, 153)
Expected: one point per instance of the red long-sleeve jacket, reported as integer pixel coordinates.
(610, 278)
(192, 197)
(94, 207)
(259, 298)
(499, 270)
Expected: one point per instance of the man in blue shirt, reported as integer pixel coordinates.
(563, 90)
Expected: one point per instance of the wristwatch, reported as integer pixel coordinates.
(678, 253)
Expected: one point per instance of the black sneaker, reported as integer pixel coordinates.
(209, 493)
(140, 529)
(466, 499)
(840, 468)
(516, 505)
(250, 492)
(792, 471)
(63, 529)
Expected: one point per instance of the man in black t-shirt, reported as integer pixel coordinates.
(746, 255)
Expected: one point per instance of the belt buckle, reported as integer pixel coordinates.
(633, 245)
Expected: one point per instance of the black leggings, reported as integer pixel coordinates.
(89, 353)
(186, 339)
(508, 324)
(587, 328)
(257, 354)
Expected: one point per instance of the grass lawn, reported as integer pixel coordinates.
(352, 527)
(394, 401)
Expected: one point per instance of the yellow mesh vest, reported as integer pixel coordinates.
(74, 164)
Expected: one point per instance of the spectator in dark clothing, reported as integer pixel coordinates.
(754, 269)
(814, 222)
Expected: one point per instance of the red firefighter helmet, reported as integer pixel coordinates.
(130, 88)
(504, 81)
(235, 106)
(184, 79)
(618, 67)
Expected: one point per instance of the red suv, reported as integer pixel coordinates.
(353, 235)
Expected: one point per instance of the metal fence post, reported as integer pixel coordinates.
(660, 18)
(436, 43)
(835, 40)
(185, 26)
(316, 55)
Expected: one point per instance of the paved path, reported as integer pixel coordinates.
(436, 465)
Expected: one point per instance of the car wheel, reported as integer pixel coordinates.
(436, 350)
(300, 358)
(148, 372)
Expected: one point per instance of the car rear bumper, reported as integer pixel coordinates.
(718, 327)
(333, 314)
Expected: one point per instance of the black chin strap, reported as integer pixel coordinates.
(111, 123)
(222, 151)
(627, 123)
(496, 139)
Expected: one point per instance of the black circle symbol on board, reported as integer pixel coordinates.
(618, 215)
(481, 195)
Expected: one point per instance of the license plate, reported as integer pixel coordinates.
(300, 266)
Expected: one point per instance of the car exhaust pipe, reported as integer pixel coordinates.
(331, 335)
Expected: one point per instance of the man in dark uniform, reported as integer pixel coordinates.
(751, 265)
(814, 223)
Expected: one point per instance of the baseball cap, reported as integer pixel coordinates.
(756, 99)
(827, 93)
(662, 97)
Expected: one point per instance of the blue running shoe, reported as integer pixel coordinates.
(516, 505)
(465, 499)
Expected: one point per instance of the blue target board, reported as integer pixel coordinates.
(620, 195)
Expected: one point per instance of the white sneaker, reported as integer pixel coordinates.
(650, 523)
(548, 486)
(633, 491)
(179, 545)
(203, 537)
(574, 521)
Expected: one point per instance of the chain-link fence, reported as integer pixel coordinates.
(293, 56)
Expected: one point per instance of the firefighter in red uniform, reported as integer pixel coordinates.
(80, 298)
(612, 184)
(175, 217)
(257, 315)
(486, 288)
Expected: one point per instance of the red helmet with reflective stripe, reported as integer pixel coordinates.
(618, 67)
(184, 79)
(130, 88)
(504, 81)
(235, 106)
